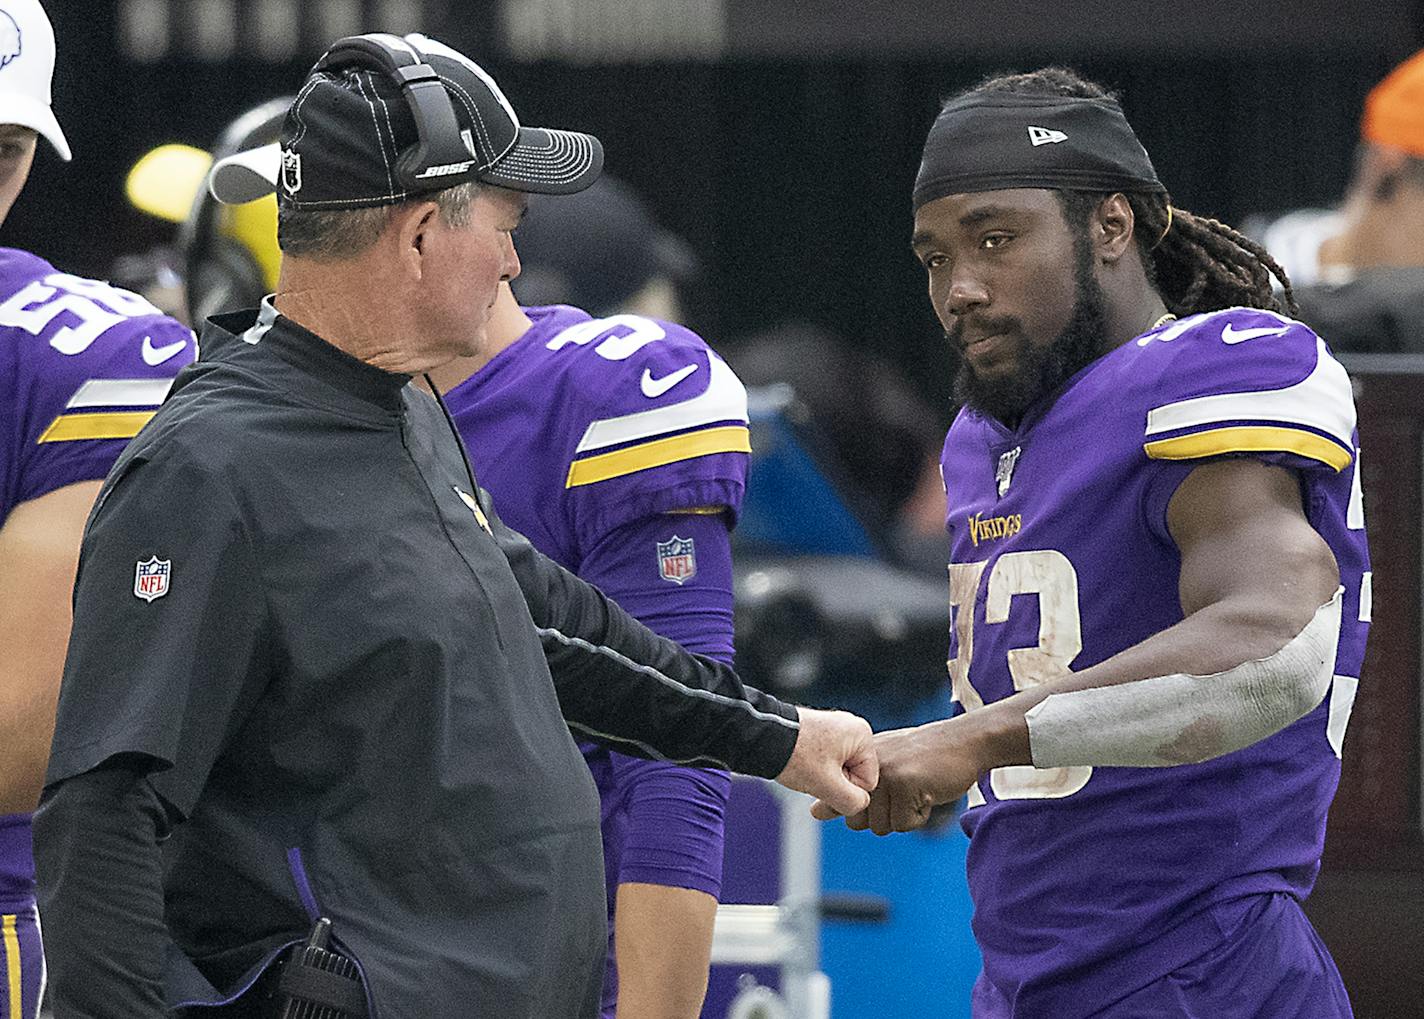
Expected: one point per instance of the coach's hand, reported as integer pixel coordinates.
(920, 768)
(834, 760)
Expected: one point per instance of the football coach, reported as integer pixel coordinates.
(312, 675)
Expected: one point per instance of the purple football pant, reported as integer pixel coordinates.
(1271, 964)
(22, 982)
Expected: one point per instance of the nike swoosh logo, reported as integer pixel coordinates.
(155, 356)
(1232, 335)
(654, 388)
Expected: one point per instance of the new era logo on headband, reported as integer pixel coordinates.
(1045, 136)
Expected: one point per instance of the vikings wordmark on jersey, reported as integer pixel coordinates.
(1081, 875)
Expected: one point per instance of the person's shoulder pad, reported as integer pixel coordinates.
(1247, 381)
(97, 359)
(649, 394)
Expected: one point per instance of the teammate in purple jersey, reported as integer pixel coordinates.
(1159, 582)
(618, 446)
(82, 367)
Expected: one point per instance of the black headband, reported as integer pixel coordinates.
(997, 140)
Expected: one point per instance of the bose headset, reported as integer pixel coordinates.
(222, 271)
(439, 142)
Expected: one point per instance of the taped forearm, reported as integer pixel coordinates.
(1181, 719)
(101, 894)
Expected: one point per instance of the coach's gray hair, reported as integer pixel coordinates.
(334, 234)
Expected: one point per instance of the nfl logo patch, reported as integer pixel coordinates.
(677, 559)
(151, 578)
(291, 171)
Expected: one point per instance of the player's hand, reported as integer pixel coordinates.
(834, 760)
(920, 769)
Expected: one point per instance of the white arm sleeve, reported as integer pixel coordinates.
(1180, 719)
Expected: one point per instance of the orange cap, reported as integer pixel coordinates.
(1394, 109)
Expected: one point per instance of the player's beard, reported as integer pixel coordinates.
(1038, 371)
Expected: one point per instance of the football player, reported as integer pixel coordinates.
(1159, 583)
(82, 367)
(618, 445)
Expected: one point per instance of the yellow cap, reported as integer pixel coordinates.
(254, 226)
(165, 181)
(1394, 110)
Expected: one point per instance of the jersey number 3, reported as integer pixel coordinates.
(1049, 575)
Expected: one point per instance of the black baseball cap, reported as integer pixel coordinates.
(564, 246)
(347, 128)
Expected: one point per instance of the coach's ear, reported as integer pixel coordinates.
(1111, 228)
(407, 233)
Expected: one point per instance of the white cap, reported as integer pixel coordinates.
(26, 68)
(245, 176)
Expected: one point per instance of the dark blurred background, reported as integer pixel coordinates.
(779, 137)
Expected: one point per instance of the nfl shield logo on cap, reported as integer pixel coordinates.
(151, 578)
(677, 559)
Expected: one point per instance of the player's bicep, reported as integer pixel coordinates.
(1244, 539)
(673, 572)
(39, 548)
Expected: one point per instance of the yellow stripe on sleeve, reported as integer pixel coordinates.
(730, 439)
(117, 424)
(12, 965)
(1250, 439)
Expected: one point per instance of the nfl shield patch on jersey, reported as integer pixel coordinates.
(677, 559)
(151, 578)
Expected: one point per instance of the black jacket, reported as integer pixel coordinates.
(300, 630)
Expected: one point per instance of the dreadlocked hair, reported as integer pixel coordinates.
(1195, 263)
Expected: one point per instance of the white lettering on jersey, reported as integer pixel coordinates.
(97, 306)
(1342, 699)
(1171, 332)
(613, 348)
(1355, 512)
(1048, 574)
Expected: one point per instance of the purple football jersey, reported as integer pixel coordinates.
(1089, 883)
(588, 433)
(583, 424)
(83, 365)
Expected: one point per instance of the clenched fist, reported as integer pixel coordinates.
(834, 760)
(920, 769)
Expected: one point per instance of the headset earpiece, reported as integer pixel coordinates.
(440, 150)
(219, 274)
